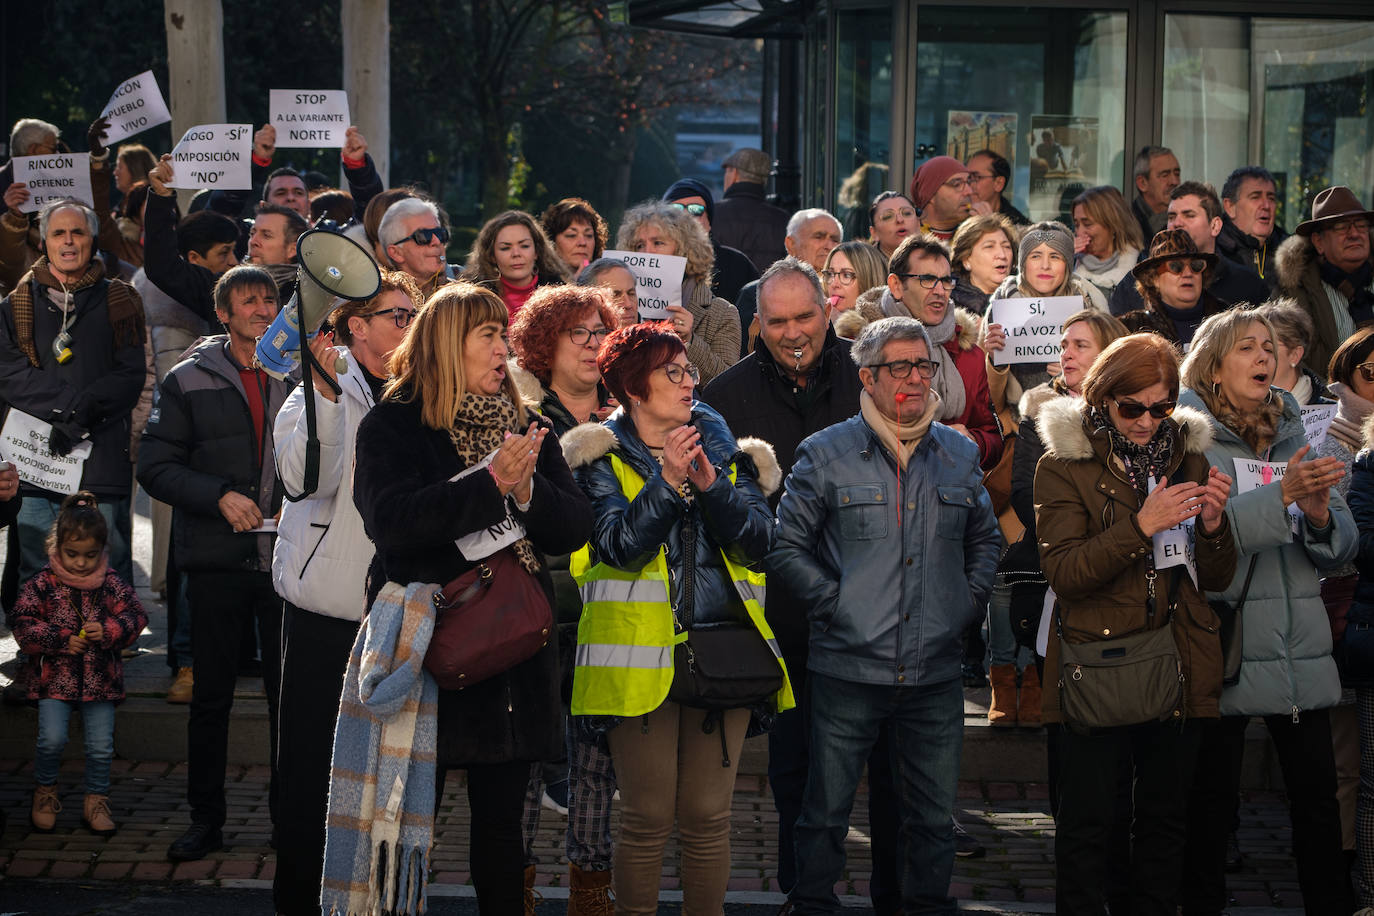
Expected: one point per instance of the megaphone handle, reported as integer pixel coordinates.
(308, 356)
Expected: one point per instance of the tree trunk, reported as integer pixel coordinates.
(495, 164)
(366, 28)
(195, 66)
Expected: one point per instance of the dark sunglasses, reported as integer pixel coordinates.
(401, 316)
(694, 209)
(423, 236)
(1366, 371)
(1176, 267)
(1133, 410)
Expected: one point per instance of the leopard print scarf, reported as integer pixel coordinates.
(479, 429)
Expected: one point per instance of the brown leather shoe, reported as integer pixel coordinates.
(45, 808)
(1002, 710)
(589, 892)
(95, 814)
(180, 691)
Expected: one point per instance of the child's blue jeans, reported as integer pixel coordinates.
(97, 722)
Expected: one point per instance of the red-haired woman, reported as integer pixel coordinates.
(1122, 467)
(557, 336)
(681, 518)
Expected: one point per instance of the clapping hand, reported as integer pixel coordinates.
(684, 459)
(1214, 495)
(1309, 483)
(1169, 506)
(513, 465)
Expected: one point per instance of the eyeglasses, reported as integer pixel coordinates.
(580, 335)
(957, 184)
(888, 216)
(423, 236)
(1197, 265)
(694, 209)
(1133, 410)
(928, 281)
(675, 373)
(1366, 371)
(1344, 226)
(401, 316)
(844, 275)
(977, 177)
(901, 368)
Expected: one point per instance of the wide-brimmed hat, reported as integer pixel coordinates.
(1171, 245)
(1338, 202)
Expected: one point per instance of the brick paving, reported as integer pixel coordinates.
(148, 802)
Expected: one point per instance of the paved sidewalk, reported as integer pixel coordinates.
(148, 802)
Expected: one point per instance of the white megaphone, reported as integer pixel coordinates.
(332, 267)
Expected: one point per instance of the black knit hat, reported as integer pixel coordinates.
(690, 187)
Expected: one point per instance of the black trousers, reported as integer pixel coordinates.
(496, 801)
(1161, 757)
(1309, 779)
(314, 657)
(222, 603)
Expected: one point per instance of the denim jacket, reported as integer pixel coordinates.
(890, 598)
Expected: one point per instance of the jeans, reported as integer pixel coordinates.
(97, 724)
(36, 517)
(926, 730)
(1002, 647)
(221, 605)
(1158, 758)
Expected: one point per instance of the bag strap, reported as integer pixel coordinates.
(1245, 589)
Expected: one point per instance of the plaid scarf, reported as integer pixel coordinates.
(1141, 461)
(122, 302)
(380, 825)
(482, 424)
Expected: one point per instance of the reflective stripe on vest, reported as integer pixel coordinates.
(625, 636)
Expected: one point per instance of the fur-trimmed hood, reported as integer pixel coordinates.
(1296, 257)
(1029, 406)
(526, 384)
(590, 441)
(1061, 429)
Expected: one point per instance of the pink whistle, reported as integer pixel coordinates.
(1267, 474)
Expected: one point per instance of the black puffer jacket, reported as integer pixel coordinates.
(628, 533)
(1249, 252)
(413, 511)
(198, 445)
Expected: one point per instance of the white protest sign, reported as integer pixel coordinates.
(1175, 546)
(1253, 474)
(24, 441)
(214, 156)
(1316, 420)
(658, 280)
(483, 543)
(312, 118)
(1042, 635)
(135, 106)
(1033, 327)
(54, 177)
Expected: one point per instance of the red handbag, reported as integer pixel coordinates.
(489, 619)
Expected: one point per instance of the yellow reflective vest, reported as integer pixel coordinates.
(625, 637)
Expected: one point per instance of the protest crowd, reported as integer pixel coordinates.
(579, 515)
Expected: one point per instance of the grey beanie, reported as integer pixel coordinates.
(1050, 232)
